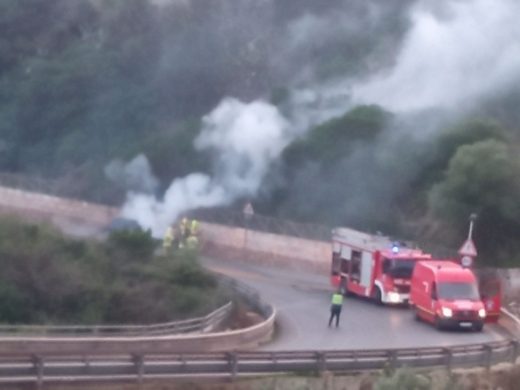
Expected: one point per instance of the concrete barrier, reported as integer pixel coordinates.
(240, 339)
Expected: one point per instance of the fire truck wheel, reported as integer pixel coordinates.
(478, 327)
(377, 296)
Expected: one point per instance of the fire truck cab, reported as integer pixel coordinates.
(372, 266)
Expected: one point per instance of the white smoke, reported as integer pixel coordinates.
(244, 139)
(456, 52)
(136, 175)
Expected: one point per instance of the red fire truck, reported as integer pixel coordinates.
(373, 266)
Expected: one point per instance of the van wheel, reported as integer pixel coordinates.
(478, 327)
(377, 296)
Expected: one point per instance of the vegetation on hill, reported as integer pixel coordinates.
(51, 279)
(360, 170)
(87, 82)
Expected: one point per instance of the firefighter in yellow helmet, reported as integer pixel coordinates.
(184, 227)
(169, 238)
(192, 242)
(194, 228)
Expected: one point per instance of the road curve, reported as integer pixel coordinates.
(302, 298)
(302, 301)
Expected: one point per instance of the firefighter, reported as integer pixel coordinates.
(184, 228)
(192, 242)
(194, 228)
(335, 307)
(169, 238)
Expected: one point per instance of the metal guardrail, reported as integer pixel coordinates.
(200, 324)
(249, 295)
(40, 369)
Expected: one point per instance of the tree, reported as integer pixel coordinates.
(466, 132)
(482, 178)
(335, 138)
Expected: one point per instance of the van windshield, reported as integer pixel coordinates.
(451, 291)
(401, 268)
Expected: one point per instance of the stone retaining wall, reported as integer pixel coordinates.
(47, 207)
(267, 248)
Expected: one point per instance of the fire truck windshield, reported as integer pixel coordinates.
(400, 268)
(451, 291)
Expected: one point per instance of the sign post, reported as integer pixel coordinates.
(468, 251)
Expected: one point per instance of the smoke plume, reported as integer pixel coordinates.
(441, 56)
(456, 52)
(244, 140)
(135, 175)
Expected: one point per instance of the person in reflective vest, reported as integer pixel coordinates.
(192, 242)
(335, 307)
(184, 228)
(194, 227)
(168, 239)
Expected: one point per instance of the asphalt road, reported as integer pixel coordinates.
(302, 300)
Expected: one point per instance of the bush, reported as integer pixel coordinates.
(403, 379)
(135, 244)
(48, 278)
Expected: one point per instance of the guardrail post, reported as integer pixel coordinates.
(448, 358)
(233, 364)
(487, 358)
(86, 362)
(38, 366)
(392, 359)
(206, 323)
(515, 346)
(274, 359)
(321, 362)
(139, 368)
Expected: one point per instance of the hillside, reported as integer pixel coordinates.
(396, 117)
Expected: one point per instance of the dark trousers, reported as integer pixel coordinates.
(335, 311)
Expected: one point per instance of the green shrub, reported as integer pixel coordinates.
(403, 379)
(49, 278)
